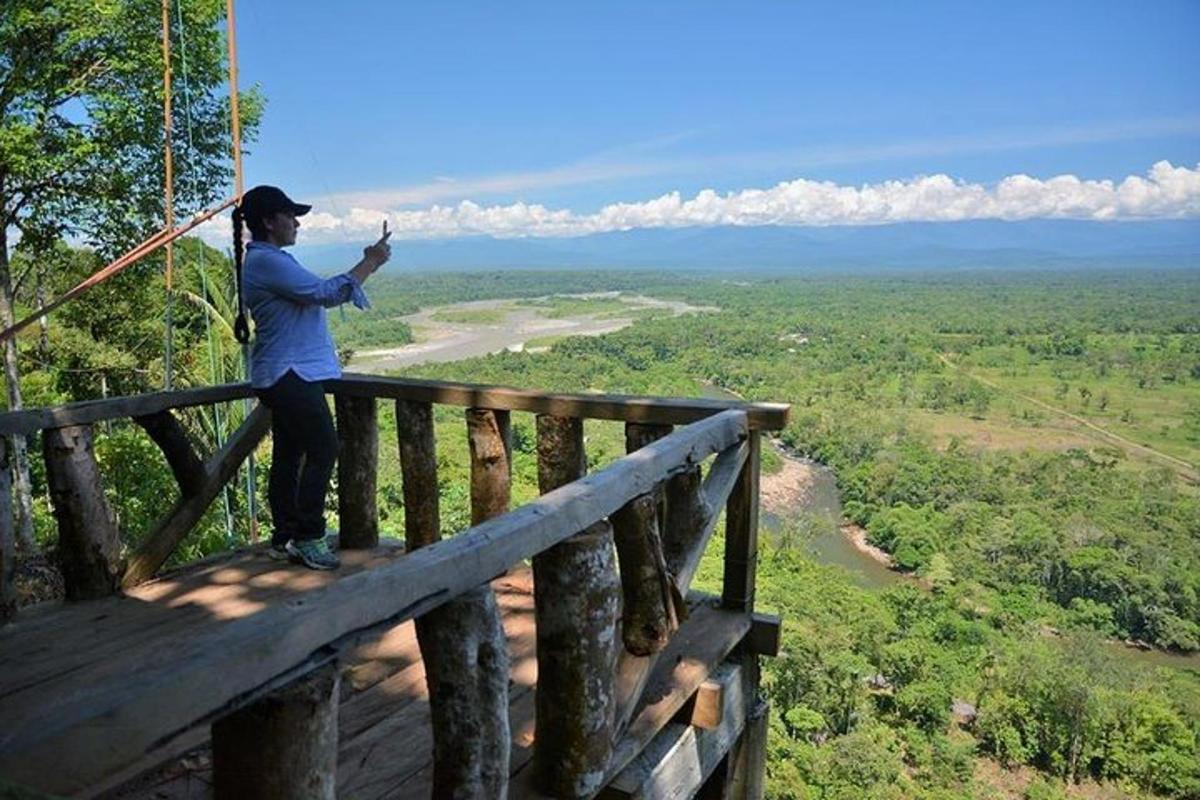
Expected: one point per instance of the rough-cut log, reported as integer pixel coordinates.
(651, 607)
(576, 597)
(488, 434)
(687, 513)
(418, 470)
(8, 589)
(89, 543)
(627, 408)
(178, 523)
(638, 434)
(358, 468)
(282, 747)
(166, 432)
(462, 642)
(741, 533)
(748, 766)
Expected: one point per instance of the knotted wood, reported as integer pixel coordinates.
(576, 596)
(462, 642)
(89, 544)
(282, 747)
(357, 469)
(166, 432)
(652, 604)
(8, 589)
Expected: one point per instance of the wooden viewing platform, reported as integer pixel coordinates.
(414, 670)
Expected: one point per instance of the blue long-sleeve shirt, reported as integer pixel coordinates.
(287, 303)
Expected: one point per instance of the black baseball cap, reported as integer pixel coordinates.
(263, 201)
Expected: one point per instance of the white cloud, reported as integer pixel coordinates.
(1166, 192)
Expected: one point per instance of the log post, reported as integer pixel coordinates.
(748, 759)
(8, 589)
(489, 435)
(282, 747)
(462, 642)
(650, 612)
(358, 469)
(166, 432)
(687, 514)
(89, 543)
(741, 533)
(576, 596)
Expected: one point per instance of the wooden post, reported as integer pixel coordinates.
(462, 642)
(282, 747)
(651, 608)
(358, 468)
(741, 533)
(8, 589)
(489, 435)
(576, 596)
(748, 759)
(89, 542)
(687, 514)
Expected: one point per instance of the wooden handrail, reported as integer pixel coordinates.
(628, 408)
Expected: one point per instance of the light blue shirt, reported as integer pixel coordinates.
(287, 303)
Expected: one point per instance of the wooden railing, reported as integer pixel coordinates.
(599, 631)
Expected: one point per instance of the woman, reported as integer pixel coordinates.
(291, 356)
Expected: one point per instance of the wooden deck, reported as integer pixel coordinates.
(385, 747)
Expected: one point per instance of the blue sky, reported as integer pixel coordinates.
(388, 107)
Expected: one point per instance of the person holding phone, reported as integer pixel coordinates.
(292, 355)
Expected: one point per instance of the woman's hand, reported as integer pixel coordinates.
(377, 254)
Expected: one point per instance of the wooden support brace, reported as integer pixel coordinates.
(576, 596)
(173, 528)
(763, 639)
(652, 604)
(282, 747)
(8, 589)
(164, 429)
(741, 532)
(358, 469)
(89, 542)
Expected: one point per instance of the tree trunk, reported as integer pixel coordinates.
(22, 485)
(577, 602)
(462, 642)
(282, 747)
(89, 548)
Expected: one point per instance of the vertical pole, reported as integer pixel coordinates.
(235, 127)
(168, 190)
(357, 468)
(741, 533)
(8, 590)
(577, 602)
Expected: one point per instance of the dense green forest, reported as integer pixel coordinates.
(954, 410)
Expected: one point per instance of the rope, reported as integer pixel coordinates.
(169, 194)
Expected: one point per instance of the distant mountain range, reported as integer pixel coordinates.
(956, 245)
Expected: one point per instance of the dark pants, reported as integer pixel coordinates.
(304, 451)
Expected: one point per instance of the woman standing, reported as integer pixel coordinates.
(292, 355)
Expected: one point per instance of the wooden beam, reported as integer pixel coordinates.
(682, 756)
(164, 429)
(577, 600)
(764, 634)
(748, 769)
(358, 471)
(89, 544)
(8, 549)
(418, 468)
(489, 436)
(741, 533)
(83, 413)
(630, 408)
(224, 668)
(180, 521)
(282, 746)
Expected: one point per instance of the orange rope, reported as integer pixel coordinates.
(163, 237)
(236, 126)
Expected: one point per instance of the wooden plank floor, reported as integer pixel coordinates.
(385, 747)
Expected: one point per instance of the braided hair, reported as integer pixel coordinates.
(241, 328)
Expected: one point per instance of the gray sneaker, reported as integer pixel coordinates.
(314, 554)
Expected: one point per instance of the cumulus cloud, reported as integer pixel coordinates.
(1165, 192)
